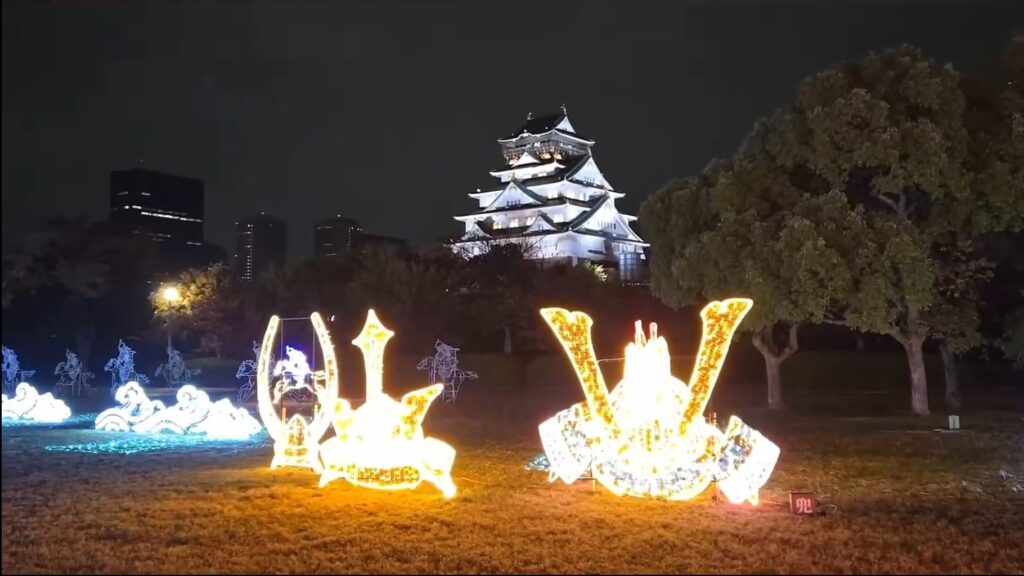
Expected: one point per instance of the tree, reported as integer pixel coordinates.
(732, 231)
(497, 286)
(895, 133)
(16, 274)
(871, 191)
(416, 290)
(1012, 342)
(209, 304)
(90, 265)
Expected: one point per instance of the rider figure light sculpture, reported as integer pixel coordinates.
(296, 441)
(648, 437)
(381, 444)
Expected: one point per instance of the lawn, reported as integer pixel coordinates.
(906, 499)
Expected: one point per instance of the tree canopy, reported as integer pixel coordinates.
(861, 204)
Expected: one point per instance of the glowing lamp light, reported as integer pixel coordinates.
(381, 444)
(171, 293)
(193, 414)
(296, 440)
(28, 405)
(648, 437)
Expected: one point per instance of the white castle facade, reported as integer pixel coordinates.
(552, 199)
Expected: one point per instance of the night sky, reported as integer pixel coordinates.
(388, 111)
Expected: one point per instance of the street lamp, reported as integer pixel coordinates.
(172, 295)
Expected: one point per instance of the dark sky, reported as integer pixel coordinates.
(388, 111)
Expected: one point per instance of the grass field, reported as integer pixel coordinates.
(907, 499)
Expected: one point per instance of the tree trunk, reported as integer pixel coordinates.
(952, 382)
(508, 340)
(773, 370)
(861, 345)
(764, 341)
(83, 341)
(918, 378)
(85, 332)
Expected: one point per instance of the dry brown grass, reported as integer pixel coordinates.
(909, 500)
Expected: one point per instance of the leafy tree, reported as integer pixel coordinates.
(867, 196)
(497, 286)
(416, 290)
(732, 231)
(209, 304)
(1012, 342)
(93, 266)
(16, 274)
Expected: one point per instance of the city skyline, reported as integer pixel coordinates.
(391, 129)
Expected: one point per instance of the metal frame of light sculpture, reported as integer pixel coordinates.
(381, 444)
(122, 368)
(174, 371)
(443, 367)
(71, 374)
(296, 442)
(193, 414)
(13, 374)
(247, 370)
(648, 437)
(30, 406)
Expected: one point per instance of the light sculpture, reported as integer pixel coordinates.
(29, 405)
(194, 413)
(13, 374)
(122, 368)
(443, 367)
(648, 437)
(174, 371)
(381, 444)
(296, 440)
(247, 370)
(296, 375)
(71, 373)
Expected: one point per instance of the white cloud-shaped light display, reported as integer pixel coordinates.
(193, 414)
(28, 405)
(648, 436)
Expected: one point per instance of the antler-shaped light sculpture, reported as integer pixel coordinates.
(381, 444)
(648, 437)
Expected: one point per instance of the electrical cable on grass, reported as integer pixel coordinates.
(474, 481)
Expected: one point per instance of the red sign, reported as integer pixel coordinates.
(803, 503)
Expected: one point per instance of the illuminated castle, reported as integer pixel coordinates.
(552, 199)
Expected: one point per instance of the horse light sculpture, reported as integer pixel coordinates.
(28, 405)
(247, 370)
(381, 444)
(443, 367)
(122, 368)
(193, 414)
(174, 371)
(648, 437)
(71, 374)
(296, 441)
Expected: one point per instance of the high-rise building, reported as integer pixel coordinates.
(551, 199)
(340, 236)
(261, 242)
(162, 207)
(365, 240)
(165, 209)
(335, 237)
